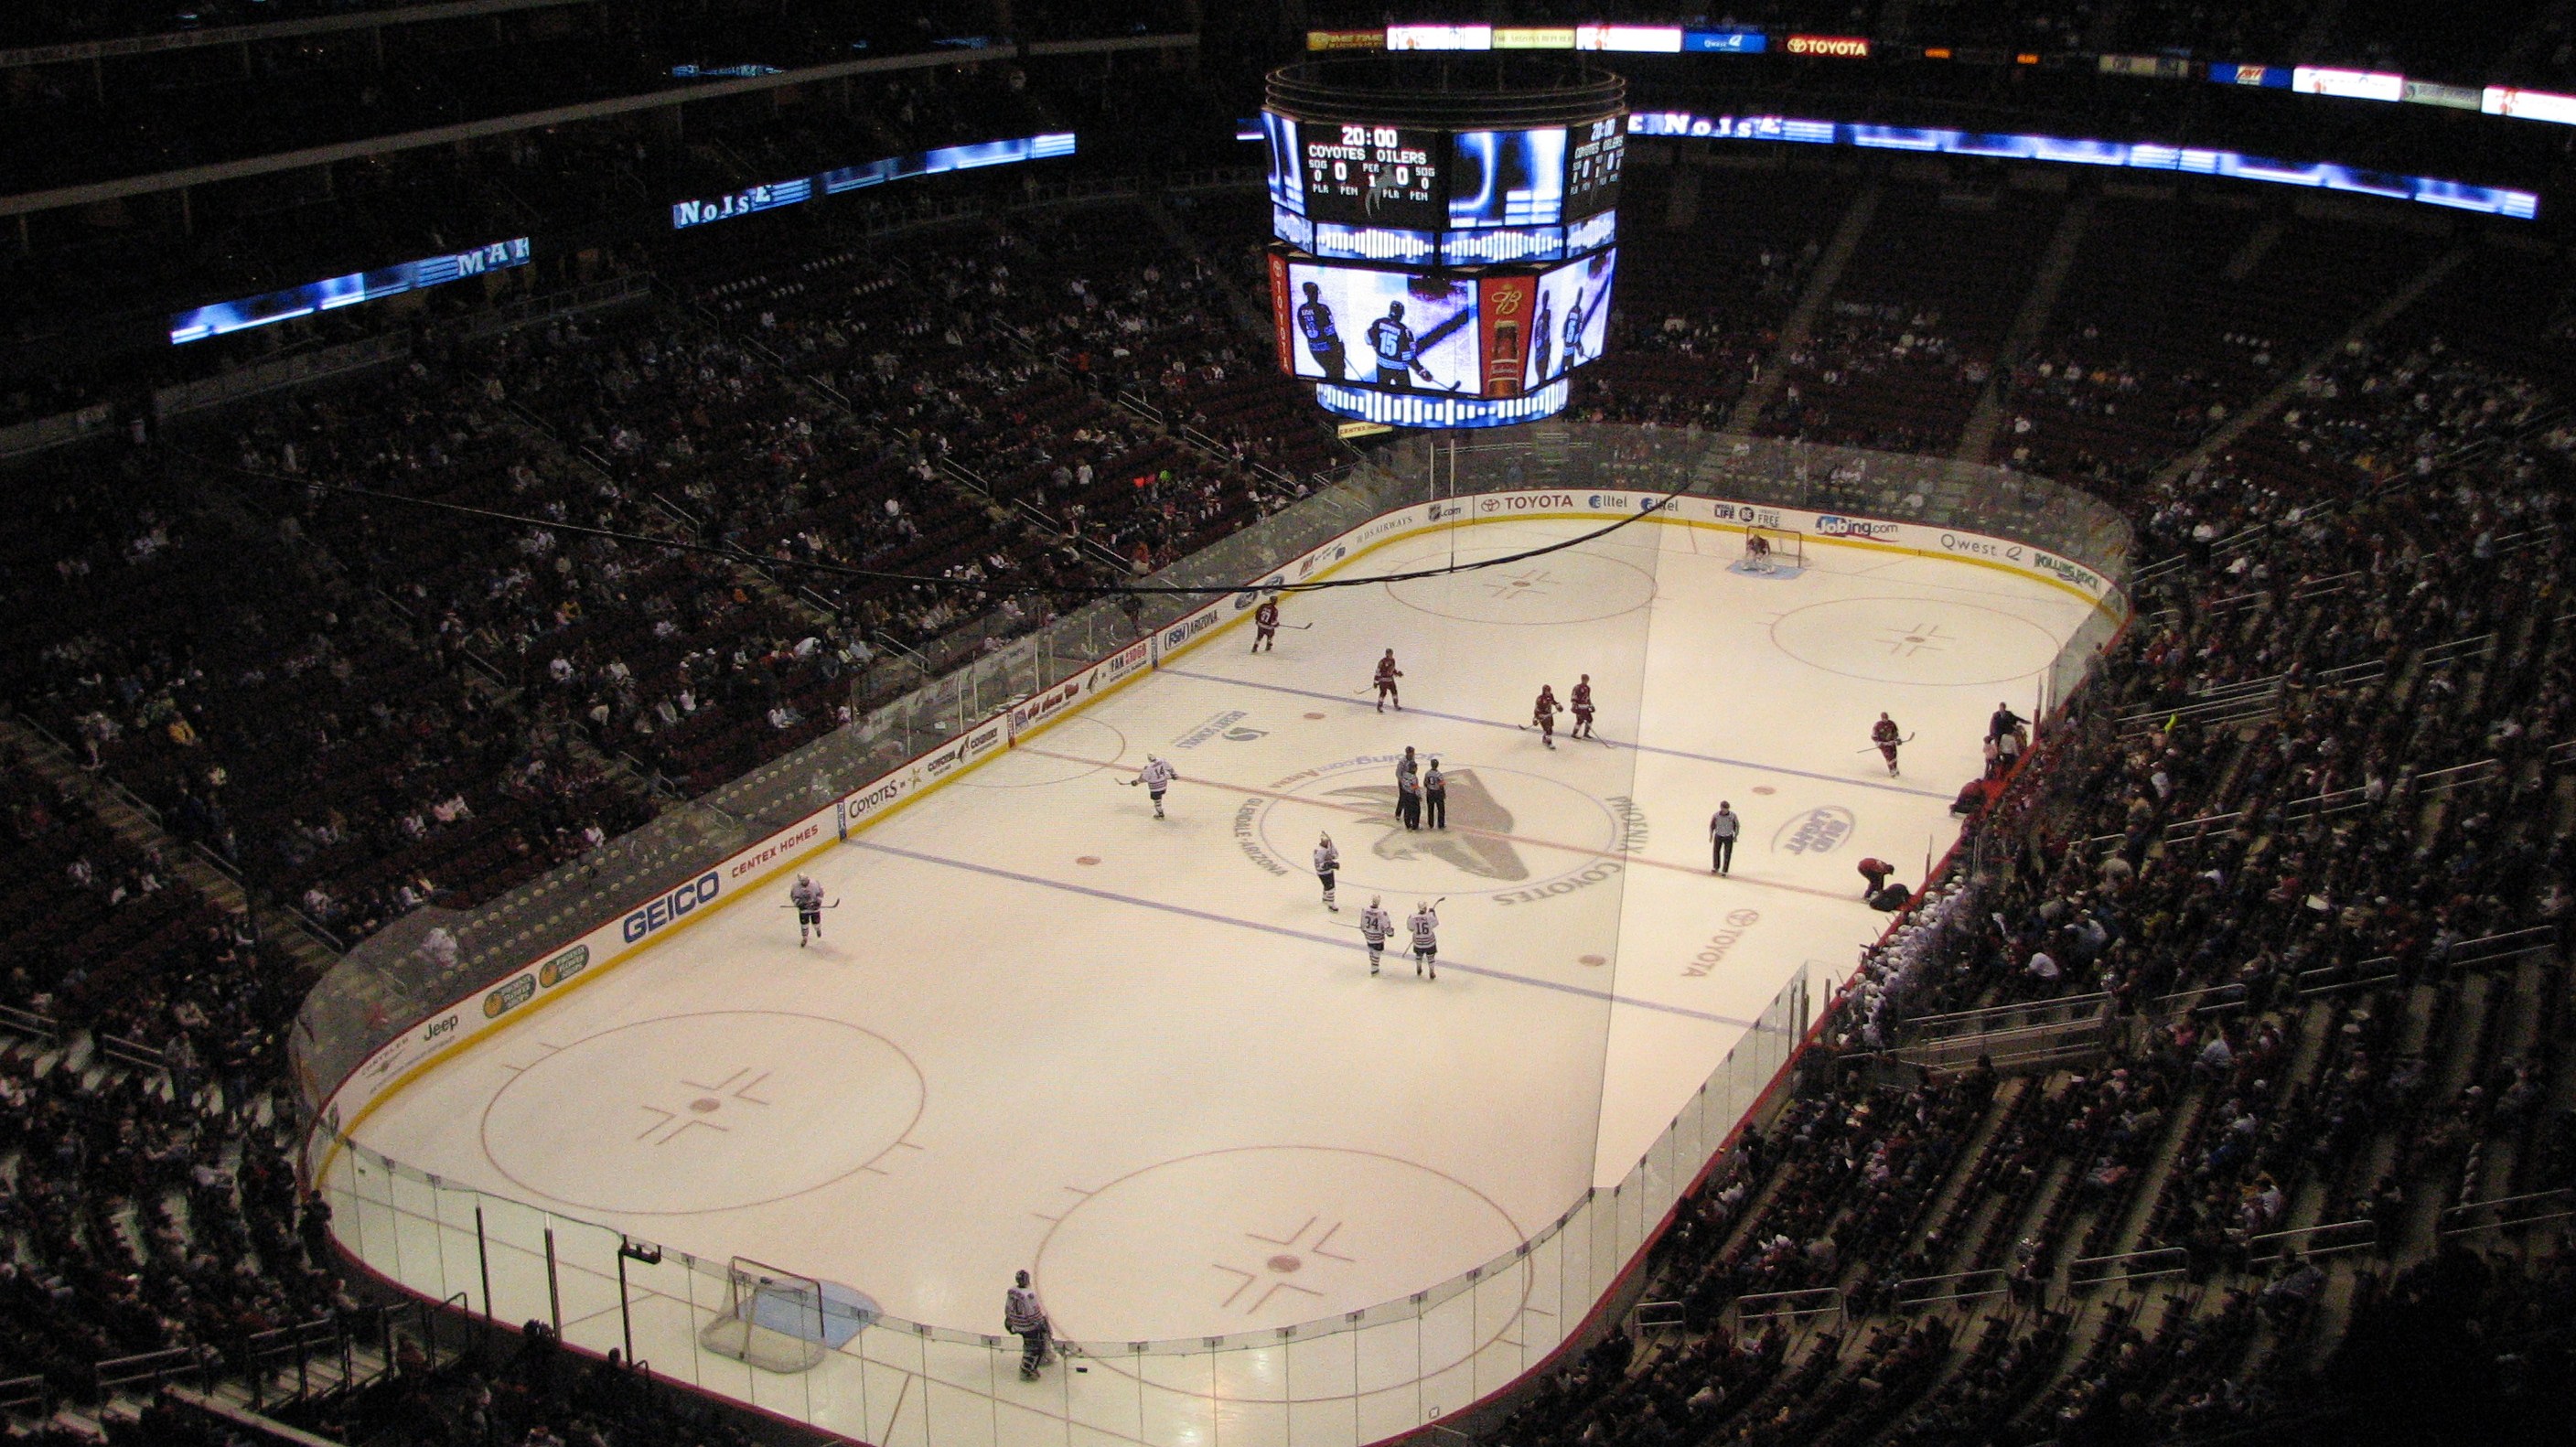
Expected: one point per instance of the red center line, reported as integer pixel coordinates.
(1364, 812)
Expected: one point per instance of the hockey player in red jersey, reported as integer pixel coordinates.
(1387, 674)
(1581, 702)
(1543, 714)
(1265, 626)
(1887, 736)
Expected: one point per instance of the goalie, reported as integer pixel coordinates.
(1757, 553)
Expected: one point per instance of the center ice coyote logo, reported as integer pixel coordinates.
(1472, 842)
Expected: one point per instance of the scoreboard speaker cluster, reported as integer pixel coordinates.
(1445, 231)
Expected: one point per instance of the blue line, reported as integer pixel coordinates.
(1641, 748)
(1283, 931)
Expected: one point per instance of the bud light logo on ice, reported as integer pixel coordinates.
(679, 902)
(1818, 831)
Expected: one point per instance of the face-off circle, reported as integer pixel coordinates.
(1496, 818)
(1564, 587)
(1181, 1246)
(1934, 641)
(704, 1112)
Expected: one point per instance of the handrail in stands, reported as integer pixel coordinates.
(2561, 1196)
(2126, 1267)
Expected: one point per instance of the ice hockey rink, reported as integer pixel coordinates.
(1138, 1057)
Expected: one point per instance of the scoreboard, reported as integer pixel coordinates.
(1443, 251)
(1373, 175)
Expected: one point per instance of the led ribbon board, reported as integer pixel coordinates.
(771, 196)
(333, 292)
(2139, 155)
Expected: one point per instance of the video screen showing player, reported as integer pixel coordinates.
(1572, 322)
(1507, 178)
(1287, 166)
(1402, 331)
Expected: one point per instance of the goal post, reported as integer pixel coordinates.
(1783, 548)
(780, 1321)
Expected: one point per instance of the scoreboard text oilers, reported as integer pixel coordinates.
(1381, 175)
(1445, 242)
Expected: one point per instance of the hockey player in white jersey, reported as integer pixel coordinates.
(807, 896)
(1375, 925)
(1425, 925)
(1327, 859)
(1156, 776)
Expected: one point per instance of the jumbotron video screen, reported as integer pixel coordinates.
(1447, 275)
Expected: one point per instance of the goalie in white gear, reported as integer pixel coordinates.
(1156, 776)
(1327, 859)
(807, 896)
(1375, 925)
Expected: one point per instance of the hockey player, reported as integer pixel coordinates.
(1581, 701)
(1375, 925)
(1387, 674)
(1757, 553)
(1156, 776)
(1425, 926)
(1542, 343)
(1543, 714)
(1327, 859)
(1265, 626)
(1398, 356)
(1323, 339)
(807, 896)
(1887, 736)
(1025, 1317)
(1874, 872)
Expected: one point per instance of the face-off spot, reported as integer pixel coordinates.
(1937, 641)
(704, 1112)
(1257, 1237)
(1314, 715)
(1593, 962)
(1087, 860)
(1566, 587)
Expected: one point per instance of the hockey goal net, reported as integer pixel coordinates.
(781, 1322)
(1775, 548)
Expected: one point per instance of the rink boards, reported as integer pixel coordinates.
(512, 997)
(1015, 1102)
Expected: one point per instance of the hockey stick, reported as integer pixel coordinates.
(835, 904)
(1869, 748)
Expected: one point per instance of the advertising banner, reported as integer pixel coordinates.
(1505, 306)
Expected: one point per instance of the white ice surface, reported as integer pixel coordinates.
(1048, 1030)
